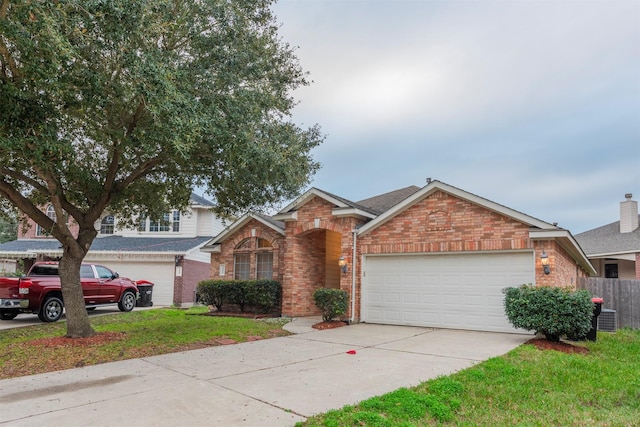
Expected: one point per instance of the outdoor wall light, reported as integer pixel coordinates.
(343, 264)
(544, 260)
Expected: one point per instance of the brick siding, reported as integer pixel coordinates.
(185, 286)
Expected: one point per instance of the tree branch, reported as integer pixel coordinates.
(18, 200)
(24, 178)
(143, 169)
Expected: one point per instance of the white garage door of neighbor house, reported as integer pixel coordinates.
(459, 291)
(159, 273)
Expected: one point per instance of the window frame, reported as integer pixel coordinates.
(51, 213)
(107, 228)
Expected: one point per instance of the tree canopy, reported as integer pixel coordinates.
(127, 105)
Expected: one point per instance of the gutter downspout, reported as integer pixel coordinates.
(353, 279)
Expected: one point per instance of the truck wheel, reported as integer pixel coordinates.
(127, 302)
(51, 310)
(4, 315)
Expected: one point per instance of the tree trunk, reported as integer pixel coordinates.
(78, 324)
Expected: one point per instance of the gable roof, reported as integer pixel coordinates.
(608, 240)
(343, 207)
(434, 186)
(30, 248)
(213, 244)
(540, 230)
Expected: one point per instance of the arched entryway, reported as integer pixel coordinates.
(311, 263)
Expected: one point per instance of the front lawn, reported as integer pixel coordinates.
(41, 348)
(526, 387)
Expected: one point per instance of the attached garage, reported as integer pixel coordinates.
(458, 291)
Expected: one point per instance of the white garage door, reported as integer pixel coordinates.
(159, 273)
(460, 291)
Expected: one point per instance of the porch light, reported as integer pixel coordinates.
(343, 264)
(544, 260)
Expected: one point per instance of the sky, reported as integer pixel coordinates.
(531, 104)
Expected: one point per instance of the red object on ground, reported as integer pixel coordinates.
(597, 300)
(351, 352)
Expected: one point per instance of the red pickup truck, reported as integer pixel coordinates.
(40, 292)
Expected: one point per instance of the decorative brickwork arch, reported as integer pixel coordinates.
(319, 224)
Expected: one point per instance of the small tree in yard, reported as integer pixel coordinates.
(332, 302)
(552, 311)
(125, 106)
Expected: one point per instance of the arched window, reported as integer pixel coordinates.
(107, 225)
(51, 213)
(258, 250)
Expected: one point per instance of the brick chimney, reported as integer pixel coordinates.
(628, 214)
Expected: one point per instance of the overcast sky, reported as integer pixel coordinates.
(531, 104)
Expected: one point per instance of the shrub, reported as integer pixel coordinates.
(212, 292)
(264, 294)
(332, 302)
(552, 311)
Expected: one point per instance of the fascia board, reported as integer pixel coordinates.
(287, 216)
(239, 224)
(352, 212)
(566, 240)
(215, 248)
(608, 254)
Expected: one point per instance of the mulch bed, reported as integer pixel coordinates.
(243, 315)
(329, 325)
(564, 347)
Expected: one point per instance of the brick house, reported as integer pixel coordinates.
(434, 256)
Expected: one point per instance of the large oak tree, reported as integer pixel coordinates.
(126, 105)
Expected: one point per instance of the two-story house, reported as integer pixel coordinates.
(166, 252)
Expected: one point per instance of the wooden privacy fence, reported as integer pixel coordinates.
(623, 296)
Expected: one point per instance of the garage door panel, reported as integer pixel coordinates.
(463, 291)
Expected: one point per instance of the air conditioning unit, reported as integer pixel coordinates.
(608, 320)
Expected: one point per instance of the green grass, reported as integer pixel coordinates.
(34, 349)
(526, 387)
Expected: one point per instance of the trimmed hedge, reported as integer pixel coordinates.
(332, 302)
(265, 294)
(553, 311)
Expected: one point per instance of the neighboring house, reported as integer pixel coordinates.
(165, 252)
(614, 249)
(435, 256)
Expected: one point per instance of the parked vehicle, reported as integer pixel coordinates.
(40, 292)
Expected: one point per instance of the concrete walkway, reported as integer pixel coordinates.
(275, 382)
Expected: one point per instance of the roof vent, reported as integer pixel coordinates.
(628, 214)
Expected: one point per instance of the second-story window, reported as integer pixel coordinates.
(176, 221)
(51, 213)
(107, 225)
(169, 222)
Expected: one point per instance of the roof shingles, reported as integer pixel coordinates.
(609, 240)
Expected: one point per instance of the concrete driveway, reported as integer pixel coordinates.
(274, 382)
